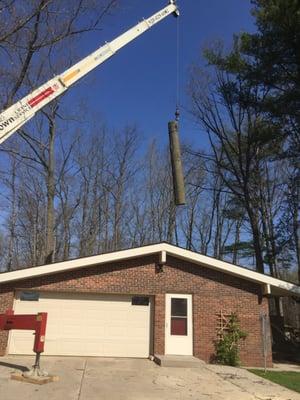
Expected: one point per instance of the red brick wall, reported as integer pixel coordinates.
(212, 292)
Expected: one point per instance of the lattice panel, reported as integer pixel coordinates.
(222, 323)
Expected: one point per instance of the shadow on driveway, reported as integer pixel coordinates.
(14, 366)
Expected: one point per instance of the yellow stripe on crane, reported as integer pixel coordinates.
(71, 75)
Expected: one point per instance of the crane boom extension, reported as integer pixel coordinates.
(18, 114)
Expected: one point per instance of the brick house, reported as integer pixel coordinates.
(156, 299)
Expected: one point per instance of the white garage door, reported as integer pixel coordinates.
(86, 325)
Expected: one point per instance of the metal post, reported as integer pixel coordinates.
(37, 361)
(264, 333)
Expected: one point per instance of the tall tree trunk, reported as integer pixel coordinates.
(13, 218)
(171, 222)
(236, 241)
(296, 224)
(256, 239)
(50, 183)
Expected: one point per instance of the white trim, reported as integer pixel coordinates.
(79, 263)
(177, 344)
(266, 289)
(160, 249)
(108, 315)
(11, 330)
(162, 257)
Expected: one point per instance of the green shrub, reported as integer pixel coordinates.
(227, 347)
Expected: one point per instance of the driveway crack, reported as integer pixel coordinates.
(81, 380)
(231, 378)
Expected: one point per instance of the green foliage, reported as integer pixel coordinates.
(268, 61)
(250, 108)
(227, 347)
(275, 49)
(245, 248)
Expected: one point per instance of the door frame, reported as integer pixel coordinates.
(184, 343)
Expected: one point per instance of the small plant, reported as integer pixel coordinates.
(227, 347)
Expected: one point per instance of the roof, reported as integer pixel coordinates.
(270, 285)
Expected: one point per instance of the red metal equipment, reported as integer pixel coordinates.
(31, 322)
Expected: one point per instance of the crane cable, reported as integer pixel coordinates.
(174, 142)
(177, 112)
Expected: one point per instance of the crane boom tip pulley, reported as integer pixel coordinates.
(176, 12)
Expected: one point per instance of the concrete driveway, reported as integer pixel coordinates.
(132, 379)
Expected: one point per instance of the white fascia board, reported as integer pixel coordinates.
(267, 289)
(231, 269)
(163, 257)
(163, 249)
(79, 263)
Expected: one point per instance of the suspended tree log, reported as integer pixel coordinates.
(177, 172)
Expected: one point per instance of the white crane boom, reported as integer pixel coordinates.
(18, 114)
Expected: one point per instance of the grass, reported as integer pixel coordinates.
(289, 379)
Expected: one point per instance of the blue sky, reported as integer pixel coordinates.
(138, 85)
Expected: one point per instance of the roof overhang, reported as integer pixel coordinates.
(270, 285)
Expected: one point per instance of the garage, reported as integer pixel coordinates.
(86, 324)
(152, 300)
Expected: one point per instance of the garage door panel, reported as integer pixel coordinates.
(120, 350)
(96, 315)
(23, 340)
(141, 321)
(116, 332)
(137, 333)
(86, 325)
